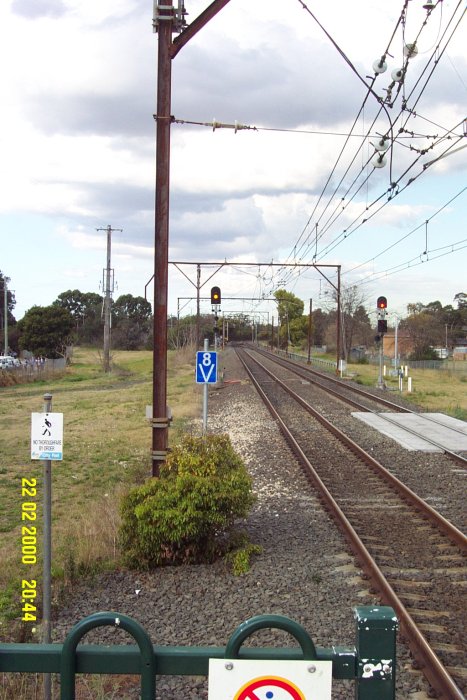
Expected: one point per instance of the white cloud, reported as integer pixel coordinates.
(77, 134)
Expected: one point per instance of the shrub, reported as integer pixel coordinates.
(187, 515)
(240, 552)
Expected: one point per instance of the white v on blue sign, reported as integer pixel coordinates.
(206, 367)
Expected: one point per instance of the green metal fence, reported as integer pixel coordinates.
(370, 663)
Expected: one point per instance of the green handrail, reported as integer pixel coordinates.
(139, 634)
(371, 662)
(259, 622)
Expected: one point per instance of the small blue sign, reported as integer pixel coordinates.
(206, 367)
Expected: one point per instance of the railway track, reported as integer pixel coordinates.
(367, 402)
(414, 557)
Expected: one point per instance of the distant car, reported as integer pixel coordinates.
(6, 362)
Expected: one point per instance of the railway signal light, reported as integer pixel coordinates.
(381, 309)
(215, 296)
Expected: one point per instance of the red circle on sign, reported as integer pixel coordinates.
(247, 692)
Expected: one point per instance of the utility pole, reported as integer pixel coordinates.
(108, 286)
(5, 314)
(167, 20)
(309, 332)
(396, 349)
(338, 330)
(198, 317)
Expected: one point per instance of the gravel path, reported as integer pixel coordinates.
(305, 571)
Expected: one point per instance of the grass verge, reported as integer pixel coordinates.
(436, 391)
(106, 449)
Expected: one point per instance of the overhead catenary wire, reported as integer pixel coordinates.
(390, 194)
(338, 205)
(214, 124)
(414, 262)
(369, 91)
(407, 235)
(339, 209)
(308, 240)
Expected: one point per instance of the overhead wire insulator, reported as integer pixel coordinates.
(379, 160)
(410, 50)
(397, 75)
(236, 126)
(382, 144)
(380, 66)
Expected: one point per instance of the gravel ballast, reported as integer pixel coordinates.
(305, 570)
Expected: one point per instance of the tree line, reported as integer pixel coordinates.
(76, 317)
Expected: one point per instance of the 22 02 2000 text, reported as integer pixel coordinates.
(28, 547)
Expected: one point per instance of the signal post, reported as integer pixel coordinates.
(381, 311)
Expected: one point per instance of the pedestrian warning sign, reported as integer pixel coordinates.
(47, 436)
(234, 679)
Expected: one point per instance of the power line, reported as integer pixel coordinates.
(339, 208)
(391, 193)
(407, 235)
(237, 126)
(411, 263)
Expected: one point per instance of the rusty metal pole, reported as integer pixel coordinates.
(165, 23)
(198, 317)
(160, 420)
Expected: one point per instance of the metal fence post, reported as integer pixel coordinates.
(47, 556)
(376, 652)
(247, 628)
(206, 393)
(139, 634)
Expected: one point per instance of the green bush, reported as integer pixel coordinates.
(187, 515)
(240, 552)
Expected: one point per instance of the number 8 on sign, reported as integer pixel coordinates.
(206, 367)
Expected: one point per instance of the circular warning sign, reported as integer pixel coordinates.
(269, 688)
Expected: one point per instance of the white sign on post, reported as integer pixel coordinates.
(234, 679)
(47, 436)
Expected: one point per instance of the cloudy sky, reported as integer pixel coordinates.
(77, 145)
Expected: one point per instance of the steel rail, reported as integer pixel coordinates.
(303, 372)
(431, 666)
(308, 370)
(444, 525)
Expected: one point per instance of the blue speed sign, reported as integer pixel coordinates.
(206, 367)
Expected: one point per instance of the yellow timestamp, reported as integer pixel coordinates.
(28, 547)
(28, 599)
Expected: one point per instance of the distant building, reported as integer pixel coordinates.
(405, 345)
(460, 353)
